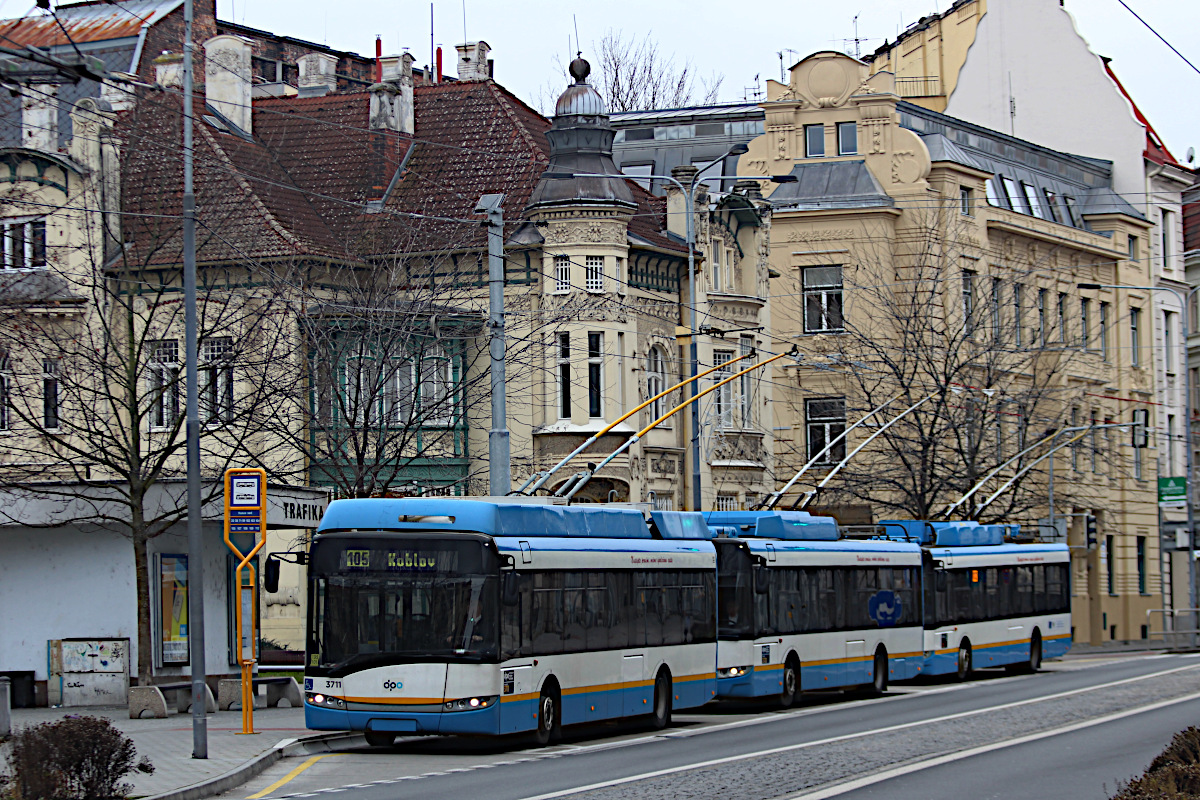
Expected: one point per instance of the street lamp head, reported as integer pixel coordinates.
(739, 149)
(1087, 286)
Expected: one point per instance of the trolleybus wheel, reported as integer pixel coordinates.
(548, 726)
(879, 682)
(791, 682)
(380, 738)
(1035, 652)
(964, 659)
(661, 717)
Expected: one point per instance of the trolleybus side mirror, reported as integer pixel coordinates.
(760, 579)
(271, 574)
(510, 594)
(939, 580)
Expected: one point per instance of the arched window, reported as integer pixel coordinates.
(656, 372)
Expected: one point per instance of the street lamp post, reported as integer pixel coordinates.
(1187, 400)
(689, 190)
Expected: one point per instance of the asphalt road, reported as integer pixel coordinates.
(746, 752)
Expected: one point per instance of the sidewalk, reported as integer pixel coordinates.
(168, 743)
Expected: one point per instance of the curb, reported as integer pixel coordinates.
(306, 745)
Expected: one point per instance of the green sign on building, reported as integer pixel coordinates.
(1172, 492)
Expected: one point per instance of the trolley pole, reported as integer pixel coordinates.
(499, 461)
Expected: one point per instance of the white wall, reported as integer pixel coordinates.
(57, 583)
(1064, 98)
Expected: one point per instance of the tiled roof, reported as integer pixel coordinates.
(303, 186)
(95, 21)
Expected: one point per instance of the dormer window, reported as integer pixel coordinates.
(24, 243)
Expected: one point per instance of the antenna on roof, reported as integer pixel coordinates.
(575, 20)
(464, 5)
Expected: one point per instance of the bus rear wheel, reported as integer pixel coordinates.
(661, 716)
(964, 660)
(879, 682)
(549, 727)
(791, 683)
(1035, 652)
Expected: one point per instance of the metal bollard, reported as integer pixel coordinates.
(5, 707)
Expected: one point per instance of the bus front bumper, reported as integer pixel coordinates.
(476, 721)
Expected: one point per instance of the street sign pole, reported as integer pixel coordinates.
(246, 513)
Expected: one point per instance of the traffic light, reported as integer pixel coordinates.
(1089, 526)
(1141, 423)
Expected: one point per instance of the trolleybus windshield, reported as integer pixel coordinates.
(394, 600)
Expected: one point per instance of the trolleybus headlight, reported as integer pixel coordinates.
(319, 699)
(732, 672)
(470, 703)
(326, 701)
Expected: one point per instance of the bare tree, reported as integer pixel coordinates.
(634, 74)
(987, 350)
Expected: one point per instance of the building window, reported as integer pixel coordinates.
(723, 396)
(996, 316)
(966, 200)
(1085, 323)
(1104, 330)
(1011, 194)
(1031, 197)
(992, 191)
(717, 267)
(51, 400)
(1051, 205)
(398, 393)
(1195, 390)
(6, 419)
(1167, 232)
(24, 244)
(1111, 558)
(968, 299)
(1062, 318)
(1071, 215)
(164, 383)
(595, 374)
(1133, 247)
(216, 380)
(814, 141)
(1135, 337)
(564, 375)
(436, 386)
(656, 371)
(727, 502)
(822, 299)
(622, 277)
(359, 389)
(1169, 346)
(639, 172)
(1018, 314)
(1039, 337)
(825, 420)
(562, 274)
(747, 387)
(1141, 564)
(847, 133)
(594, 273)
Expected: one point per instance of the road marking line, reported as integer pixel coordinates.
(879, 777)
(847, 737)
(289, 776)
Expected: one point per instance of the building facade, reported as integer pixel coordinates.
(933, 262)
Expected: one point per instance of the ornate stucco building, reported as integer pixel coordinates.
(925, 259)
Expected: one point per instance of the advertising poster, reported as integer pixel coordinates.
(173, 575)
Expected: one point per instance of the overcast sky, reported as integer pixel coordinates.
(741, 41)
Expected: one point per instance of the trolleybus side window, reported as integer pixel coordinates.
(976, 594)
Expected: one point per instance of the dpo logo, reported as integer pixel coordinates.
(392, 686)
(884, 607)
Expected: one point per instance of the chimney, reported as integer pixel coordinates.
(227, 80)
(168, 70)
(392, 100)
(39, 117)
(318, 74)
(473, 61)
(677, 209)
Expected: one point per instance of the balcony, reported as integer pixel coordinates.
(919, 86)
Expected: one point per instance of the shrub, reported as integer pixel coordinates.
(77, 758)
(1173, 775)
